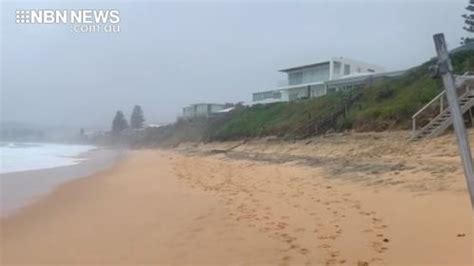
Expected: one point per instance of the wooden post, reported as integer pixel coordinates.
(445, 70)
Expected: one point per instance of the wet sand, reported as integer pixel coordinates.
(17, 189)
(260, 202)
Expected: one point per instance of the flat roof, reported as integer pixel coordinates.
(304, 66)
(193, 104)
(327, 61)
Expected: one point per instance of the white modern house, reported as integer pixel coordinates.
(202, 110)
(317, 79)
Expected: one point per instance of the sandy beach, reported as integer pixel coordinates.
(358, 199)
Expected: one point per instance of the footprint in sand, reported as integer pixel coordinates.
(294, 246)
(334, 254)
(304, 251)
(376, 259)
(282, 225)
(325, 246)
(378, 246)
(383, 226)
(323, 237)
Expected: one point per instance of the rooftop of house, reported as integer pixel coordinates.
(194, 104)
(327, 61)
(304, 66)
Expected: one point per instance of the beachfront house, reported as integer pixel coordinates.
(202, 110)
(320, 78)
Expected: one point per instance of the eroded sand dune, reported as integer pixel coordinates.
(367, 199)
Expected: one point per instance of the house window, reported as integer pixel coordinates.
(347, 69)
(337, 67)
(295, 78)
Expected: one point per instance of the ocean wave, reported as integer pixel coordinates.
(16, 157)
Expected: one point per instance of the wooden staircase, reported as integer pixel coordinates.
(444, 119)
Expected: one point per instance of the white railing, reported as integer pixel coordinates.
(440, 98)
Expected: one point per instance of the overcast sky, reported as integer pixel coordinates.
(168, 55)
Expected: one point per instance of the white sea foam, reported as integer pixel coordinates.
(16, 157)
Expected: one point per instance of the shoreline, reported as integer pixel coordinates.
(192, 205)
(23, 188)
(97, 214)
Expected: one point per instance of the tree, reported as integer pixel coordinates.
(137, 118)
(119, 123)
(469, 23)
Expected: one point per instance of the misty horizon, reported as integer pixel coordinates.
(169, 55)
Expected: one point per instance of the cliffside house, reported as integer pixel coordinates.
(202, 110)
(317, 79)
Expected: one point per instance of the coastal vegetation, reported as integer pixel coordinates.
(386, 104)
(119, 123)
(468, 22)
(137, 118)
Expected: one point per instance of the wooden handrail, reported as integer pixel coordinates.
(428, 104)
(439, 97)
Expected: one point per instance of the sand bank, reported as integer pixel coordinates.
(258, 203)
